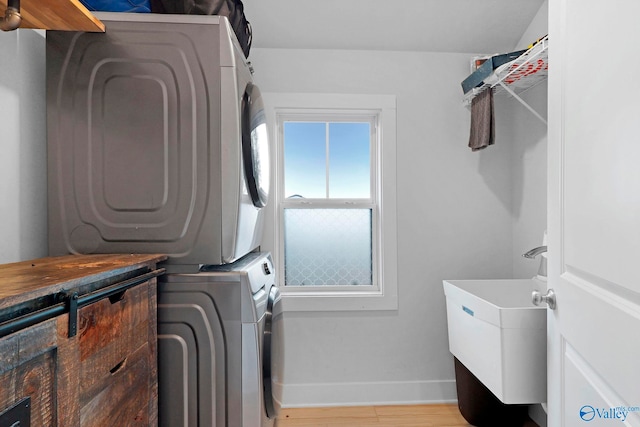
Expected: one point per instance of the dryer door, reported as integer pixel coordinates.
(272, 354)
(255, 146)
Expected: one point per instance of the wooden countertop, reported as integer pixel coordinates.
(66, 15)
(27, 280)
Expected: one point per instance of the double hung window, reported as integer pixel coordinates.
(330, 208)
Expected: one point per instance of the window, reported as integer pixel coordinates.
(328, 206)
(335, 244)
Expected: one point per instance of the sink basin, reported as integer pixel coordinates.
(500, 336)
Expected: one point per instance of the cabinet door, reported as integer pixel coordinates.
(117, 348)
(28, 361)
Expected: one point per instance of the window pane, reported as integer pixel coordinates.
(327, 247)
(305, 160)
(349, 160)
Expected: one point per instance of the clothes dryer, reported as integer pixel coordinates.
(220, 346)
(157, 140)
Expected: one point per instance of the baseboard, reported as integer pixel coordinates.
(368, 393)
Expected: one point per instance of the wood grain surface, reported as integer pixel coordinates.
(428, 415)
(27, 280)
(438, 415)
(105, 374)
(28, 369)
(67, 15)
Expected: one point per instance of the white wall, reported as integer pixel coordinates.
(454, 221)
(460, 215)
(527, 136)
(23, 166)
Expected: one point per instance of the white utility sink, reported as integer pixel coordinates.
(500, 336)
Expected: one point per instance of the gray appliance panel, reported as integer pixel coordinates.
(192, 371)
(135, 139)
(223, 299)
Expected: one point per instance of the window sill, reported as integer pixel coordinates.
(295, 301)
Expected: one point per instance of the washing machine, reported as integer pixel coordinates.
(220, 346)
(156, 139)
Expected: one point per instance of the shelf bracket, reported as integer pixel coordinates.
(522, 101)
(12, 18)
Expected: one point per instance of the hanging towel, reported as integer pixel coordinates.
(482, 121)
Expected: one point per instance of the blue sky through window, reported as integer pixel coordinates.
(309, 159)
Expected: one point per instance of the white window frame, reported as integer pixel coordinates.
(383, 294)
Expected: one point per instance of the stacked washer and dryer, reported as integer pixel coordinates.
(157, 143)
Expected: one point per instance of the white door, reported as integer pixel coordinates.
(594, 212)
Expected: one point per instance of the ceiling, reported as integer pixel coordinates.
(465, 26)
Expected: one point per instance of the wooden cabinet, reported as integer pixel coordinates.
(118, 375)
(28, 362)
(78, 337)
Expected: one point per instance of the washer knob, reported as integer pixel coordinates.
(265, 268)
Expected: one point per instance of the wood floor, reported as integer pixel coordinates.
(374, 416)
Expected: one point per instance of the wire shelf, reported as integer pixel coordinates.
(516, 76)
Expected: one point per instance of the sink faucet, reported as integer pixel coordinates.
(542, 270)
(535, 252)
